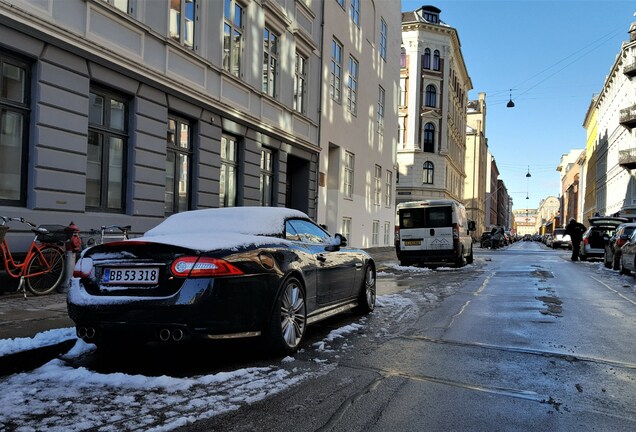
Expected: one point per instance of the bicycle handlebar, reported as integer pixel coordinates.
(6, 219)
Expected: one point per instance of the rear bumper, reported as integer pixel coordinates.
(448, 256)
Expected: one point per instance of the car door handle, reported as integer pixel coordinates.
(321, 258)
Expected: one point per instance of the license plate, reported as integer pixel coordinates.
(412, 242)
(131, 276)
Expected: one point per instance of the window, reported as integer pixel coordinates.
(378, 185)
(431, 96)
(335, 83)
(228, 190)
(122, 5)
(375, 233)
(178, 165)
(182, 21)
(232, 37)
(348, 175)
(270, 62)
(429, 171)
(387, 233)
(383, 36)
(431, 17)
(346, 227)
(15, 82)
(300, 83)
(427, 58)
(402, 131)
(436, 62)
(352, 95)
(354, 12)
(403, 58)
(106, 152)
(305, 231)
(380, 109)
(389, 188)
(403, 91)
(429, 138)
(267, 177)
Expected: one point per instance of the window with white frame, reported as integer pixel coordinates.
(346, 227)
(402, 131)
(383, 36)
(381, 95)
(387, 233)
(428, 173)
(354, 12)
(267, 177)
(348, 175)
(375, 234)
(377, 196)
(403, 91)
(232, 37)
(182, 19)
(270, 61)
(389, 187)
(352, 86)
(335, 83)
(300, 83)
(228, 189)
(178, 165)
(122, 5)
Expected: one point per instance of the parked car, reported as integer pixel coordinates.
(548, 239)
(597, 235)
(216, 274)
(627, 262)
(612, 255)
(561, 239)
(486, 240)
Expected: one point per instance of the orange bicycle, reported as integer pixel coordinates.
(43, 267)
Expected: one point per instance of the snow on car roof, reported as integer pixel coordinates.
(221, 228)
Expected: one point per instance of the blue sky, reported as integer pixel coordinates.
(554, 55)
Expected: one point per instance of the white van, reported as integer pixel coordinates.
(433, 232)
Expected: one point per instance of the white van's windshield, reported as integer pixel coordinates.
(432, 217)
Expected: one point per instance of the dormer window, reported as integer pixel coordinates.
(431, 17)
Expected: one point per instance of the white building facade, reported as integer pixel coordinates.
(434, 86)
(358, 134)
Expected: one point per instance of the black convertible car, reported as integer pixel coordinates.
(218, 274)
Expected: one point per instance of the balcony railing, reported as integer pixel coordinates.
(628, 117)
(630, 69)
(627, 158)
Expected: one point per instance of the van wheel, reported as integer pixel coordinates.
(470, 258)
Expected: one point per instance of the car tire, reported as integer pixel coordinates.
(622, 268)
(461, 260)
(367, 295)
(606, 263)
(615, 263)
(289, 319)
(583, 257)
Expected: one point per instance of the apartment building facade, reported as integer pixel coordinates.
(358, 134)
(477, 164)
(434, 86)
(126, 111)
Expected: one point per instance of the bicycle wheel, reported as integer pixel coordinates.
(49, 280)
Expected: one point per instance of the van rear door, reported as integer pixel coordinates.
(426, 228)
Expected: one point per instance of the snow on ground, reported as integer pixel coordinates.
(58, 397)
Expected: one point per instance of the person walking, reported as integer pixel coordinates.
(575, 230)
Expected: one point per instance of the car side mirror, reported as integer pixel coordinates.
(338, 241)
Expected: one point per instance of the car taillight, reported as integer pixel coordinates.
(397, 233)
(83, 268)
(455, 232)
(620, 242)
(586, 241)
(203, 267)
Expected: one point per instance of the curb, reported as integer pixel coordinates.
(22, 361)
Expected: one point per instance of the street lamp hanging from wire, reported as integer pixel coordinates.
(510, 103)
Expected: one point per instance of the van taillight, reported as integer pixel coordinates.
(397, 233)
(455, 231)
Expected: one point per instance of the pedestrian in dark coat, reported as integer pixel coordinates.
(575, 230)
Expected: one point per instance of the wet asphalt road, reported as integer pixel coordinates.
(523, 339)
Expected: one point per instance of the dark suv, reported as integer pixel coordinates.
(597, 235)
(612, 256)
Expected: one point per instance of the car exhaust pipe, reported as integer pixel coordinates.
(90, 333)
(164, 335)
(177, 335)
(81, 332)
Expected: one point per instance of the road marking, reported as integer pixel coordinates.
(484, 283)
(613, 290)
